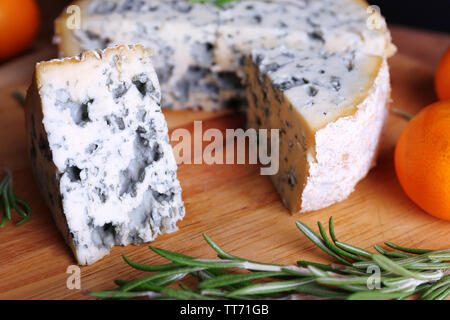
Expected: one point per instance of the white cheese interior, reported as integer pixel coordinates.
(321, 86)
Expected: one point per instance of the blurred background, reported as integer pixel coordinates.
(428, 14)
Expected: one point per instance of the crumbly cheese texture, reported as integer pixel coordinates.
(100, 150)
(200, 48)
(330, 109)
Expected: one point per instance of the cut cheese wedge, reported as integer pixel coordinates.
(330, 109)
(100, 150)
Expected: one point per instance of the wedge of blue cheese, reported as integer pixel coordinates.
(200, 48)
(100, 150)
(330, 109)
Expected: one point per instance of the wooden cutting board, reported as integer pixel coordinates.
(233, 204)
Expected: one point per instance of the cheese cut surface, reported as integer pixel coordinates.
(330, 109)
(200, 48)
(100, 150)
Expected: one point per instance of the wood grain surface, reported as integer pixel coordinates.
(236, 206)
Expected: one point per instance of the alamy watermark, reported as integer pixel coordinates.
(374, 281)
(374, 20)
(263, 146)
(73, 21)
(74, 280)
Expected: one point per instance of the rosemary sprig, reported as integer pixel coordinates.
(10, 202)
(19, 97)
(218, 3)
(402, 113)
(399, 274)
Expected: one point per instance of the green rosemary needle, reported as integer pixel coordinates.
(398, 274)
(10, 202)
(402, 113)
(218, 3)
(19, 97)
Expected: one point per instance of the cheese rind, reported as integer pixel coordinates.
(330, 110)
(100, 150)
(200, 48)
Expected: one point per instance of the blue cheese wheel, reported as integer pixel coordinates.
(200, 48)
(330, 109)
(100, 150)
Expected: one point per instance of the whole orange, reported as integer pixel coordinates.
(442, 77)
(422, 159)
(19, 23)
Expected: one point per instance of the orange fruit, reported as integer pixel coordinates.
(442, 77)
(19, 23)
(422, 159)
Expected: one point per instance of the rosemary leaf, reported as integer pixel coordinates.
(408, 250)
(316, 272)
(435, 257)
(331, 229)
(162, 282)
(353, 249)
(377, 295)
(222, 294)
(401, 282)
(445, 281)
(324, 267)
(419, 289)
(4, 220)
(405, 274)
(271, 287)
(9, 202)
(429, 266)
(175, 257)
(223, 264)
(320, 291)
(295, 272)
(334, 281)
(183, 294)
(333, 247)
(146, 267)
(26, 214)
(219, 3)
(211, 273)
(352, 287)
(19, 97)
(112, 294)
(395, 268)
(19, 210)
(23, 220)
(219, 250)
(437, 294)
(391, 254)
(405, 114)
(222, 254)
(6, 201)
(228, 279)
(314, 237)
(420, 258)
(149, 279)
(443, 295)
